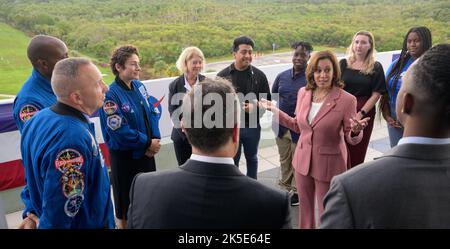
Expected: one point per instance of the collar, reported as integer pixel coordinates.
(122, 84)
(293, 76)
(211, 159)
(44, 83)
(233, 68)
(204, 168)
(423, 140)
(187, 85)
(419, 151)
(67, 110)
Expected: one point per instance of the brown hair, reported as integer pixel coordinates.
(121, 55)
(312, 67)
(210, 137)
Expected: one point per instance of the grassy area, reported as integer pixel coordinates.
(15, 67)
(14, 64)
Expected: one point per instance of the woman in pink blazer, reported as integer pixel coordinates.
(325, 120)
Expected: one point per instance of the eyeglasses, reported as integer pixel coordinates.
(135, 65)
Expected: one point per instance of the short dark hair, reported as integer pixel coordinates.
(242, 40)
(312, 67)
(120, 56)
(305, 45)
(431, 77)
(43, 47)
(204, 138)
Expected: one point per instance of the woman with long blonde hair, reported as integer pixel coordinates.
(363, 77)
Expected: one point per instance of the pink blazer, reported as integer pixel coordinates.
(321, 151)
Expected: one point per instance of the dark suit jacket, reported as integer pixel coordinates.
(408, 187)
(177, 86)
(204, 195)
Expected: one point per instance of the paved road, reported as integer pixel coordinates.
(260, 60)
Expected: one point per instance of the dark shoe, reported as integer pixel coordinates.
(294, 200)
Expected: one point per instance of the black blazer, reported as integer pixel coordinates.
(204, 195)
(177, 86)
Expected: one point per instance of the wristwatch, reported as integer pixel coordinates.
(363, 113)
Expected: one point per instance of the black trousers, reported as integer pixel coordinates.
(183, 150)
(123, 170)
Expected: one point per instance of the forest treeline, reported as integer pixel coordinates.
(162, 28)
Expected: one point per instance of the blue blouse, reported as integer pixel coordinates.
(390, 82)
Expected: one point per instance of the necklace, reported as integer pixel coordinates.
(357, 65)
(319, 98)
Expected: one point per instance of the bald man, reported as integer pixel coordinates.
(36, 93)
(408, 186)
(67, 177)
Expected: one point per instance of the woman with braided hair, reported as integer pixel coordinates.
(416, 42)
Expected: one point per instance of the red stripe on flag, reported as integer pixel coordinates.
(105, 153)
(11, 175)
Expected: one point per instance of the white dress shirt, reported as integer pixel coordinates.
(211, 159)
(423, 140)
(187, 85)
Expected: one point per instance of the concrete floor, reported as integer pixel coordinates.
(268, 169)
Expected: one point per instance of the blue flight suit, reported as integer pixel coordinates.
(129, 123)
(68, 180)
(122, 118)
(35, 95)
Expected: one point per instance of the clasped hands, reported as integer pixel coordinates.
(153, 148)
(248, 107)
(30, 222)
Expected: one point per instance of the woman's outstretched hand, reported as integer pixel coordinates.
(358, 125)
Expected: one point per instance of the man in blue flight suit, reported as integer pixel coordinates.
(36, 94)
(130, 127)
(67, 177)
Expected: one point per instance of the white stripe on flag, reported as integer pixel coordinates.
(10, 146)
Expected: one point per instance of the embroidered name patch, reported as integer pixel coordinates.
(27, 112)
(114, 122)
(110, 107)
(69, 159)
(69, 163)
